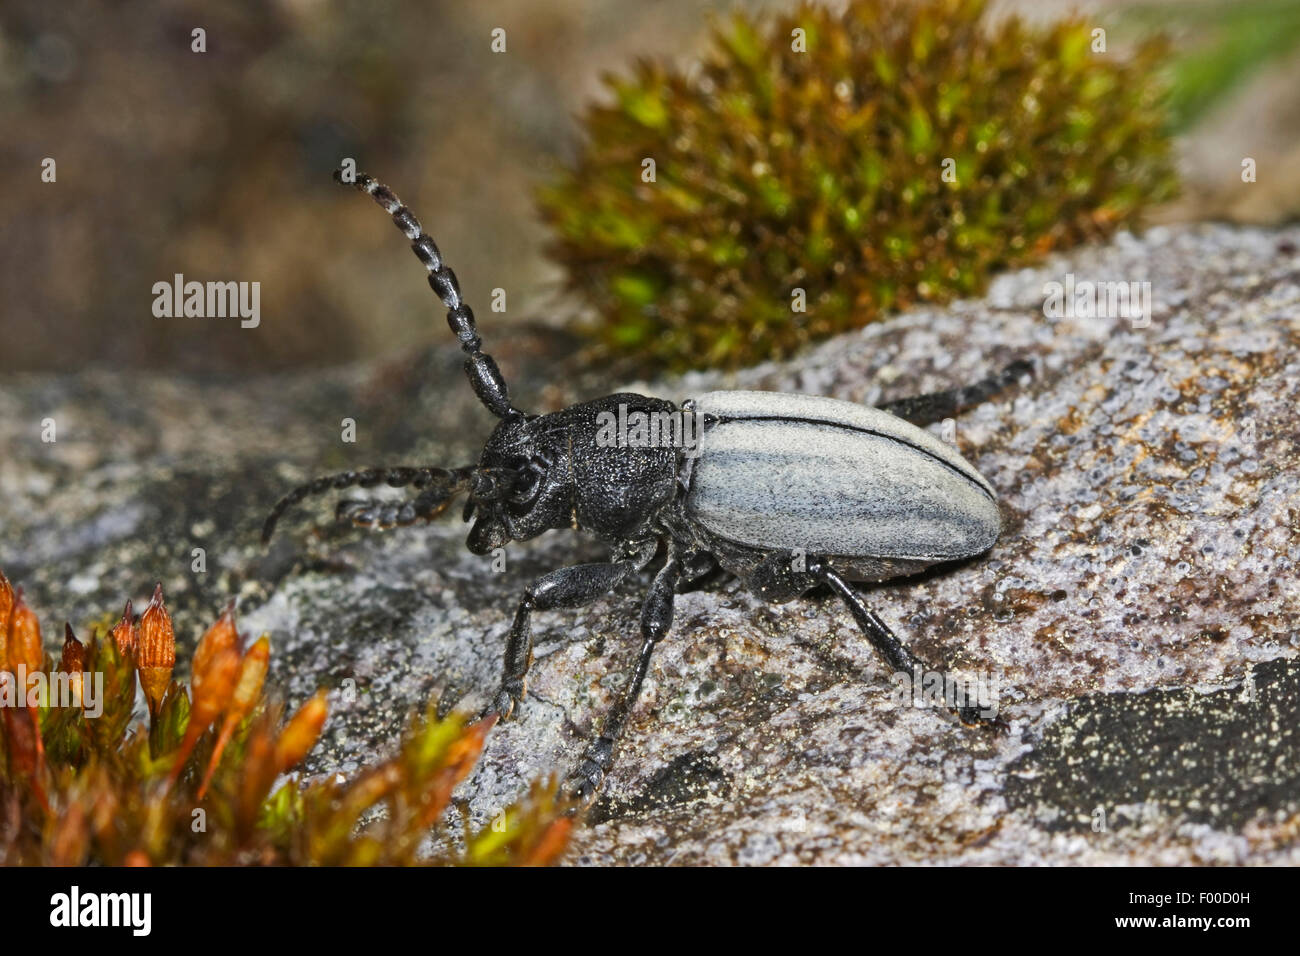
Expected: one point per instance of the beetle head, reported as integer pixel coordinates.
(521, 487)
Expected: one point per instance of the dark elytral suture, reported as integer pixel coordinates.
(788, 492)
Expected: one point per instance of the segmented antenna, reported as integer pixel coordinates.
(484, 376)
(445, 482)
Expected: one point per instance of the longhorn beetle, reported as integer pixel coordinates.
(787, 492)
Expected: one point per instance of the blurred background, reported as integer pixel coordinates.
(217, 165)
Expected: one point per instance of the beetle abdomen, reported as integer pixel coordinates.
(776, 470)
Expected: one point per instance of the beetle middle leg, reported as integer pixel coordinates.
(936, 406)
(567, 587)
(699, 568)
(656, 619)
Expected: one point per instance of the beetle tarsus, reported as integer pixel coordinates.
(508, 698)
(589, 775)
(976, 717)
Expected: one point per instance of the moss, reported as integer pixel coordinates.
(196, 783)
(777, 170)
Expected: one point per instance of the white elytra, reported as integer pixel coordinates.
(803, 471)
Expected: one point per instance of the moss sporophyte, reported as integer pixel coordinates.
(196, 783)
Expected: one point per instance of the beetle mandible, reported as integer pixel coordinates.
(785, 491)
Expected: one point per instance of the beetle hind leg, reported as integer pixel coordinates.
(896, 655)
(936, 406)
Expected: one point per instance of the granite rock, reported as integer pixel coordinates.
(1139, 618)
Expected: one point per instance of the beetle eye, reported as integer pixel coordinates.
(524, 494)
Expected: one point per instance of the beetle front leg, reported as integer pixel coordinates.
(885, 641)
(566, 587)
(656, 619)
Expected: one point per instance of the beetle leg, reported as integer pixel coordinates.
(565, 587)
(886, 642)
(698, 567)
(936, 406)
(656, 619)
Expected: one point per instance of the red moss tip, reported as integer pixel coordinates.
(125, 634)
(156, 651)
(24, 639)
(301, 733)
(73, 659)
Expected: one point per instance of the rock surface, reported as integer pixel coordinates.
(1140, 616)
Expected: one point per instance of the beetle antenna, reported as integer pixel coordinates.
(449, 483)
(484, 376)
